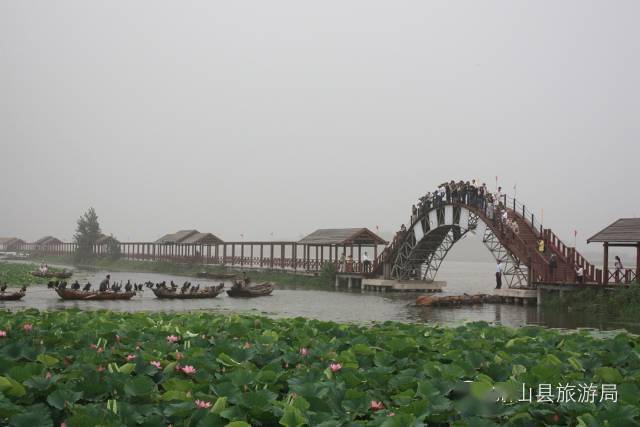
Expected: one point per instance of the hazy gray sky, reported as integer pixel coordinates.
(286, 116)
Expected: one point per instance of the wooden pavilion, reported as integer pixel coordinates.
(624, 233)
(11, 244)
(337, 240)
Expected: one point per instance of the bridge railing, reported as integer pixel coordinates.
(525, 213)
(569, 255)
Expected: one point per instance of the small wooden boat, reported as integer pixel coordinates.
(12, 296)
(166, 293)
(248, 291)
(70, 294)
(64, 274)
(213, 275)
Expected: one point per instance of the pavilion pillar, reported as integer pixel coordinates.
(316, 251)
(224, 253)
(638, 262)
(271, 256)
(605, 264)
(294, 255)
(233, 253)
(261, 254)
(241, 254)
(282, 256)
(251, 256)
(360, 258)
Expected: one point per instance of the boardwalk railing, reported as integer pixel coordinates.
(280, 255)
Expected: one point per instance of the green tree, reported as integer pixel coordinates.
(87, 234)
(113, 248)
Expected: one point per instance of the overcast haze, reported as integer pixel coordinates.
(279, 117)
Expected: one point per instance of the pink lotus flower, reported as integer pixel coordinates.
(156, 364)
(304, 351)
(3, 334)
(335, 367)
(63, 424)
(202, 404)
(179, 355)
(392, 414)
(118, 338)
(173, 339)
(93, 346)
(48, 376)
(247, 345)
(100, 369)
(27, 327)
(100, 349)
(376, 405)
(131, 357)
(188, 369)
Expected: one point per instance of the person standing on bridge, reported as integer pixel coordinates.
(580, 274)
(499, 275)
(553, 264)
(617, 264)
(366, 264)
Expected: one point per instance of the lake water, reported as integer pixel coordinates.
(329, 304)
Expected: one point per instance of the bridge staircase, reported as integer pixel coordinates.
(530, 231)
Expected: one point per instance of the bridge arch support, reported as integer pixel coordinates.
(429, 239)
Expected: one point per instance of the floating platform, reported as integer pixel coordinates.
(359, 281)
(517, 296)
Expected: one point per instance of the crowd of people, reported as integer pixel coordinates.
(346, 263)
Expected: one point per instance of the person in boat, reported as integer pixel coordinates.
(104, 285)
(75, 286)
(173, 285)
(87, 287)
(245, 278)
(3, 288)
(23, 289)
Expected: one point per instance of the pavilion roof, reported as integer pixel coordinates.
(624, 230)
(343, 236)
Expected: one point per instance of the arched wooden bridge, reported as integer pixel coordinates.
(418, 252)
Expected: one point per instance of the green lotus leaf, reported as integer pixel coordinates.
(609, 375)
(140, 386)
(34, 416)
(11, 387)
(292, 417)
(47, 360)
(62, 397)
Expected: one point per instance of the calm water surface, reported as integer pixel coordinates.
(329, 304)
